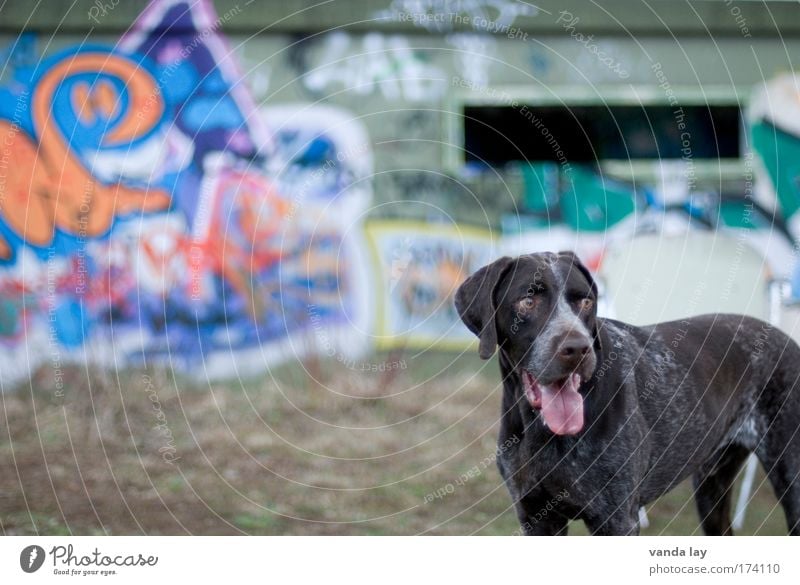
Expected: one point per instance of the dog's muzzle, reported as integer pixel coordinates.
(560, 403)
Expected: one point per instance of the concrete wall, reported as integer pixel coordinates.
(201, 187)
(401, 72)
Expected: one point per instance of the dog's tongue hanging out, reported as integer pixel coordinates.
(561, 403)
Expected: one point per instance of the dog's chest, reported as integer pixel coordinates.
(570, 472)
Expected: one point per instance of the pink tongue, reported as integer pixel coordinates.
(562, 407)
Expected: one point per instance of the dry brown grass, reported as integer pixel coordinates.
(348, 453)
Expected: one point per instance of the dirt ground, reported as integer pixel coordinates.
(312, 448)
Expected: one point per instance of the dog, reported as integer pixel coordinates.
(600, 417)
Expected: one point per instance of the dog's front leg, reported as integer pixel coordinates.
(623, 522)
(535, 512)
(549, 527)
(539, 517)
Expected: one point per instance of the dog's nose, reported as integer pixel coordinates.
(573, 350)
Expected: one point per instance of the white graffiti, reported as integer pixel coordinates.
(377, 63)
(401, 259)
(474, 56)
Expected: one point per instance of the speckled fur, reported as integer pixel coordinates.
(666, 402)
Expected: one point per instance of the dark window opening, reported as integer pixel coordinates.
(502, 134)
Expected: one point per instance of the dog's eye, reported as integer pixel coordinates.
(526, 304)
(585, 304)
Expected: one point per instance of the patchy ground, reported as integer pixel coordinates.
(328, 450)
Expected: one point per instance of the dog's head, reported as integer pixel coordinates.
(541, 309)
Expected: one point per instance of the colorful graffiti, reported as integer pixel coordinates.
(146, 209)
(420, 267)
(81, 105)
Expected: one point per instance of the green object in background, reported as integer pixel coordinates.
(540, 180)
(593, 204)
(780, 153)
(513, 223)
(739, 214)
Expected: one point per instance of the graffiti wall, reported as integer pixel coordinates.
(419, 267)
(200, 198)
(149, 212)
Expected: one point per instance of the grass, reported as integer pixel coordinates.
(329, 450)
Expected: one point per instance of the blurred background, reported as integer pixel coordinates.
(230, 233)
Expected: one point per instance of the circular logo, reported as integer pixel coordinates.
(31, 558)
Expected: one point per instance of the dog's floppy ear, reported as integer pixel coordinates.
(576, 263)
(474, 302)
